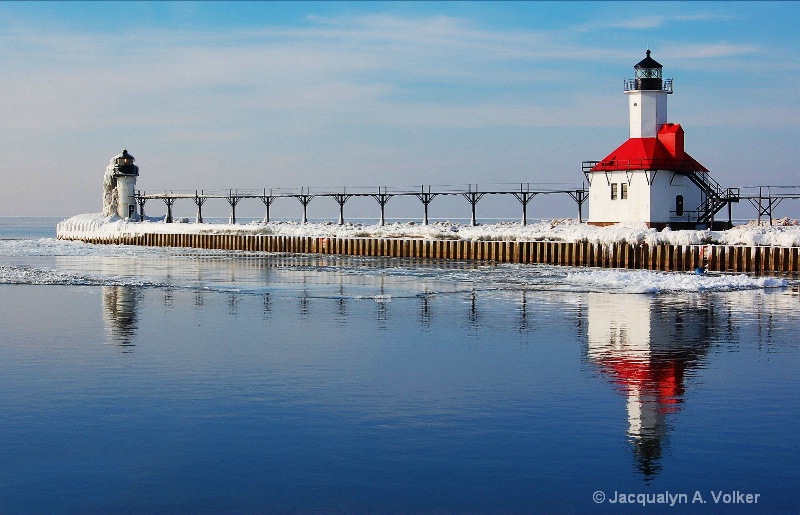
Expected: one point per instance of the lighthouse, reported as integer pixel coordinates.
(650, 178)
(119, 185)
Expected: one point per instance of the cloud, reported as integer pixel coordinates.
(416, 92)
(64, 80)
(650, 21)
(377, 70)
(710, 51)
(637, 23)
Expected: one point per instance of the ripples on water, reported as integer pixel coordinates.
(174, 380)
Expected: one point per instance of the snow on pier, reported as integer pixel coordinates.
(748, 248)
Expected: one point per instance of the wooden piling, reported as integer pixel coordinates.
(682, 258)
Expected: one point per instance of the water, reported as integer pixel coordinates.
(149, 380)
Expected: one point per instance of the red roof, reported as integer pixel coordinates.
(664, 152)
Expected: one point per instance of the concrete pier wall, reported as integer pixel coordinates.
(716, 258)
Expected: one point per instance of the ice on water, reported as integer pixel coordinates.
(466, 275)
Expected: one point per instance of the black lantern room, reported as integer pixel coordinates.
(648, 74)
(123, 164)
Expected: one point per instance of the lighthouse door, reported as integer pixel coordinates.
(679, 205)
(131, 210)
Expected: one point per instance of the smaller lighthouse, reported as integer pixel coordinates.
(119, 185)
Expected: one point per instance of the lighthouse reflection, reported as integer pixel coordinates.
(120, 314)
(647, 345)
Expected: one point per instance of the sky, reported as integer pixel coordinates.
(213, 96)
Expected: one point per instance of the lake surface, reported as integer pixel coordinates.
(153, 380)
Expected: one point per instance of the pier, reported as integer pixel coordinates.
(678, 258)
(622, 255)
(765, 199)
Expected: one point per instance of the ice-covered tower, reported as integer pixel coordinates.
(119, 184)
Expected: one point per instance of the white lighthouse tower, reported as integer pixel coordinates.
(119, 185)
(650, 178)
(647, 99)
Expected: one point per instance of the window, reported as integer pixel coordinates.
(623, 190)
(613, 191)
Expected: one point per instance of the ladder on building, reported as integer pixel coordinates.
(715, 197)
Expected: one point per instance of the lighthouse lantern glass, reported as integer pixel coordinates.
(648, 73)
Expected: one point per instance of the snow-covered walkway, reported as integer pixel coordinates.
(784, 233)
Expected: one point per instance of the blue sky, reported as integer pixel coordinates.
(251, 95)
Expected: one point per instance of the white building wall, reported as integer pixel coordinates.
(604, 209)
(639, 198)
(652, 202)
(666, 187)
(648, 112)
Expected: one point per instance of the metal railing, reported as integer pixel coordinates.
(676, 165)
(630, 85)
(473, 193)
